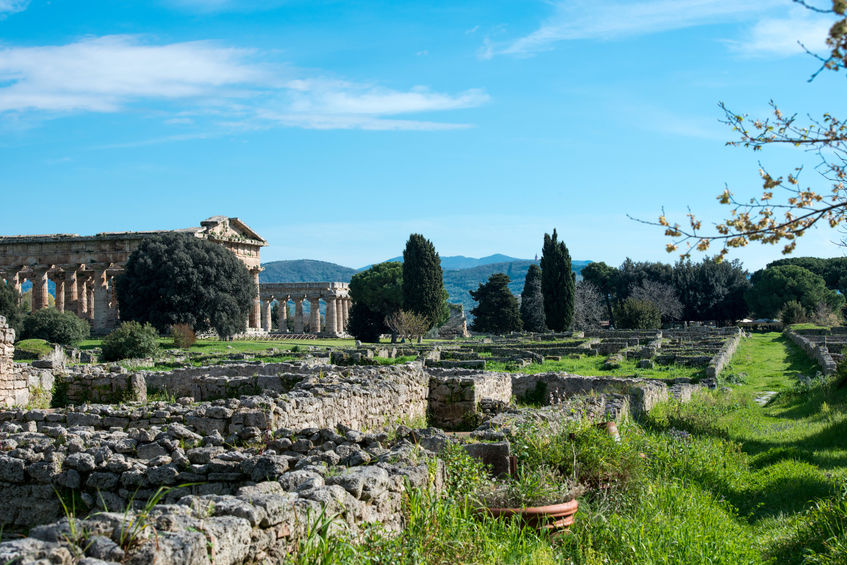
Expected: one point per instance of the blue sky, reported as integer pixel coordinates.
(335, 129)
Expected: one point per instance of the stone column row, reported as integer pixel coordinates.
(79, 289)
(337, 314)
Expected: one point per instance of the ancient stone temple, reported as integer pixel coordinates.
(336, 296)
(84, 267)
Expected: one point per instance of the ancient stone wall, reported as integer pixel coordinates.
(723, 356)
(13, 386)
(20, 384)
(358, 397)
(455, 396)
(642, 394)
(114, 470)
(814, 345)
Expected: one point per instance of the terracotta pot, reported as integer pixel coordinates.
(552, 518)
(611, 429)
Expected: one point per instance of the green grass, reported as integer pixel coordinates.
(593, 366)
(32, 348)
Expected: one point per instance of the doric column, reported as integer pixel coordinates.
(40, 290)
(104, 314)
(315, 315)
(282, 315)
(347, 302)
(82, 293)
(331, 315)
(339, 314)
(266, 316)
(90, 291)
(71, 291)
(256, 312)
(60, 291)
(18, 289)
(298, 315)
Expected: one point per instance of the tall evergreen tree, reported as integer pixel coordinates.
(497, 311)
(423, 285)
(558, 283)
(532, 301)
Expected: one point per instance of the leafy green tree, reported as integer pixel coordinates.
(632, 274)
(131, 341)
(532, 301)
(558, 283)
(774, 287)
(365, 324)
(63, 328)
(176, 278)
(376, 293)
(711, 290)
(423, 284)
(497, 311)
(9, 307)
(833, 271)
(792, 313)
(605, 279)
(634, 314)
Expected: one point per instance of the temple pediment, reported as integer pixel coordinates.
(222, 228)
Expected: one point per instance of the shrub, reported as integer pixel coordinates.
(63, 328)
(183, 335)
(633, 314)
(130, 340)
(792, 313)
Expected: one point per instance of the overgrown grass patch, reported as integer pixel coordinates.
(593, 365)
(31, 349)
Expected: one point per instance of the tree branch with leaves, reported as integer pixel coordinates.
(786, 209)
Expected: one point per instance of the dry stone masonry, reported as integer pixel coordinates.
(824, 346)
(19, 383)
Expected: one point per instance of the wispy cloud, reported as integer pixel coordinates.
(784, 36)
(106, 73)
(614, 19)
(12, 6)
(112, 73)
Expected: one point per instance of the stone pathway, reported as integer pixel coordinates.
(765, 396)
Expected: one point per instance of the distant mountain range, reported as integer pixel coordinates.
(304, 270)
(461, 274)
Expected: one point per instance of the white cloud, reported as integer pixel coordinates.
(12, 7)
(783, 36)
(109, 74)
(103, 74)
(610, 19)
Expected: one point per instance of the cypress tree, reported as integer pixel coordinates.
(423, 285)
(497, 311)
(558, 284)
(532, 301)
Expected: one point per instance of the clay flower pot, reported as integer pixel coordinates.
(611, 429)
(551, 518)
